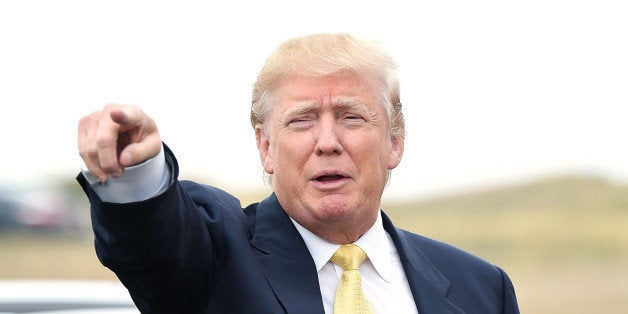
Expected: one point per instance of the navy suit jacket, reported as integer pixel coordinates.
(193, 249)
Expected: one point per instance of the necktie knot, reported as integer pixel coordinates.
(349, 257)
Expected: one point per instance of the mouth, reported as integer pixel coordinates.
(329, 178)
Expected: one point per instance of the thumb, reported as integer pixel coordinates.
(138, 152)
(138, 138)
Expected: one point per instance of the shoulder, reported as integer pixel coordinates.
(451, 260)
(220, 211)
(441, 252)
(470, 277)
(203, 194)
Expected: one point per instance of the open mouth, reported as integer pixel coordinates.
(328, 178)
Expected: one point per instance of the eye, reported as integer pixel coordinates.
(302, 122)
(353, 118)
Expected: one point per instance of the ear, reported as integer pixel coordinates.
(396, 151)
(264, 149)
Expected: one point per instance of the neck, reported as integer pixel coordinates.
(343, 233)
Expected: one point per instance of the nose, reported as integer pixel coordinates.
(328, 137)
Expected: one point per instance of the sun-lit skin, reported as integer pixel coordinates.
(327, 146)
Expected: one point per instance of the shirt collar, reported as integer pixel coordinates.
(374, 242)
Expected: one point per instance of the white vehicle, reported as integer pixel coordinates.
(64, 297)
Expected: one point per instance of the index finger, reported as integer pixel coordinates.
(126, 117)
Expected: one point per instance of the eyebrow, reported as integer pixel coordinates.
(350, 102)
(301, 108)
(340, 102)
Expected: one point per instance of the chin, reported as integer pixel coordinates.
(336, 210)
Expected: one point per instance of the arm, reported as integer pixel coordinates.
(158, 247)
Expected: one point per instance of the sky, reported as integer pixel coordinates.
(494, 92)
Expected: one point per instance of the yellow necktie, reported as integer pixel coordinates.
(349, 295)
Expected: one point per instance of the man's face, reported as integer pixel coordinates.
(328, 149)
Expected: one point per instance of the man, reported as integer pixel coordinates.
(329, 129)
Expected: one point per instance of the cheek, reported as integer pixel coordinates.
(280, 160)
(293, 144)
(373, 157)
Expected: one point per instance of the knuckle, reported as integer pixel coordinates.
(89, 152)
(92, 152)
(85, 121)
(105, 140)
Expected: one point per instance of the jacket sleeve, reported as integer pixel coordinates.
(162, 249)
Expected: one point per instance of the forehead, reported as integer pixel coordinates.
(340, 88)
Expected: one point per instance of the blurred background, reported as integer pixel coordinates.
(516, 118)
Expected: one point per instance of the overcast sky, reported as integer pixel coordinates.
(493, 91)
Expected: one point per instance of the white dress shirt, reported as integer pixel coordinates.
(383, 279)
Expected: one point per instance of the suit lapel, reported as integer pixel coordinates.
(429, 287)
(287, 264)
(291, 272)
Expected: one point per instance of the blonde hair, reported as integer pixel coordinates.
(325, 54)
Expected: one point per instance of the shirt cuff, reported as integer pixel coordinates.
(137, 183)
